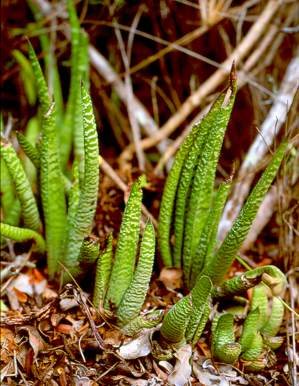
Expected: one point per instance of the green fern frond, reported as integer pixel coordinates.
(89, 251)
(51, 182)
(7, 190)
(125, 255)
(30, 151)
(203, 182)
(103, 272)
(183, 167)
(269, 274)
(200, 296)
(133, 299)
(259, 299)
(217, 266)
(273, 324)
(28, 204)
(208, 238)
(150, 320)
(224, 346)
(89, 191)
(41, 85)
(250, 329)
(22, 234)
(174, 325)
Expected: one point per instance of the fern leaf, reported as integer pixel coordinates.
(22, 234)
(224, 346)
(176, 321)
(208, 236)
(103, 272)
(133, 299)
(168, 198)
(200, 300)
(250, 329)
(125, 255)
(217, 267)
(89, 191)
(272, 325)
(203, 182)
(28, 204)
(52, 186)
(259, 299)
(89, 251)
(30, 151)
(187, 174)
(7, 190)
(41, 85)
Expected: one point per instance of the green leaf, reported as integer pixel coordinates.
(176, 321)
(208, 238)
(103, 272)
(30, 151)
(22, 234)
(28, 204)
(203, 182)
(200, 296)
(125, 255)
(89, 191)
(224, 347)
(133, 299)
(217, 267)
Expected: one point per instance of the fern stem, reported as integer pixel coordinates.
(28, 203)
(22, 234)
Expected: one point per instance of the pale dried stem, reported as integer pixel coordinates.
(243, 75)
(107, 72)
(129, 88)
(268, 132)
(194, 100)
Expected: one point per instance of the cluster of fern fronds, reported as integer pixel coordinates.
(190, 211)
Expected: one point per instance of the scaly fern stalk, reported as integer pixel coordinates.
(259, 299)
(73, 127)
(217, 267)
(89, 252)
(51, 69)
(189, 315)
(176, 321)
(28, 204)
(22, 234)
(52, 186)
(89, 191)
(168, 198)
(250, 329)
(103, 272)
(150, 320)
(186, 179)
(272, 325)
(275, 279)
(224, 346)
(200, 295)
(7, 190)
(30, 151)
(202, 187)
(208, 237)
(82, 63)
(125, 255)
(134, 297)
